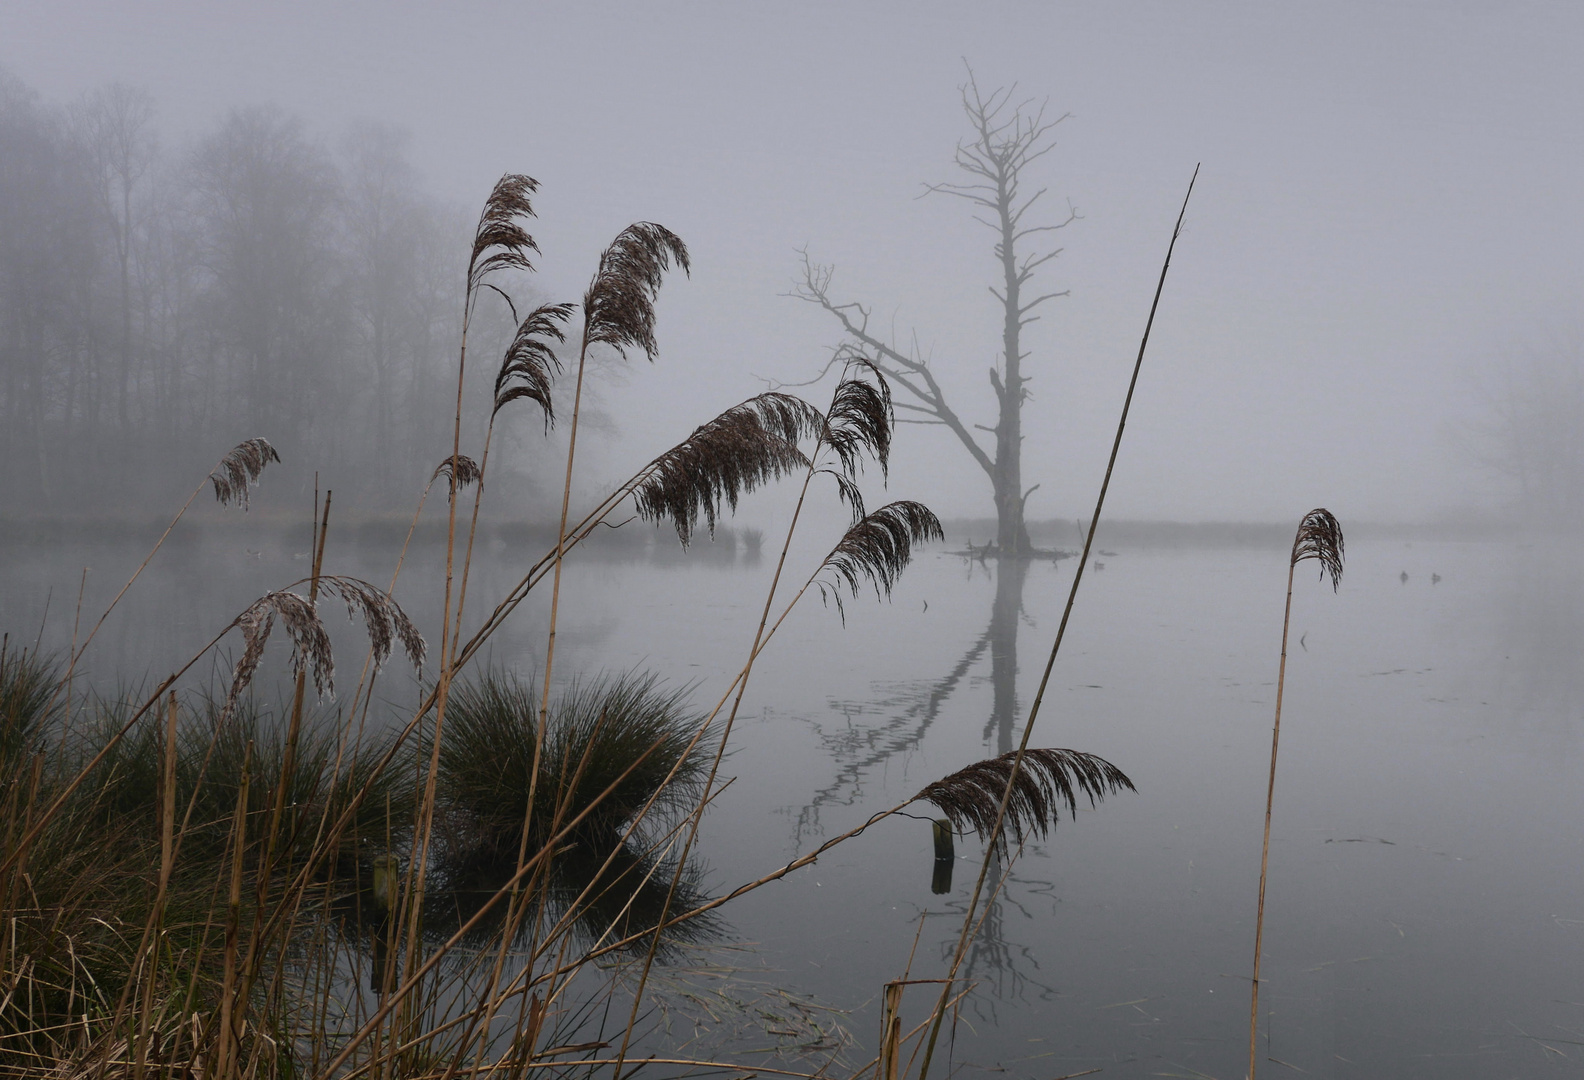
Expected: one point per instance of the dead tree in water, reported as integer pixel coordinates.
(1006, 139)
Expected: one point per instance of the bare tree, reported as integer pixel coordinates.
(115, 127)
(1007, 136)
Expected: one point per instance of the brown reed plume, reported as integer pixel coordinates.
(384, 620)
(460, 471)
(618, 308)
(1319, 537)
(876, 550)
(861, 419)
(747, 445)
(499, 241)
(240, 469)
(530, 363)
(971, 798)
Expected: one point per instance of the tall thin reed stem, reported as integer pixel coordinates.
(1270, 798)
(1319, 537)
(1061, 630)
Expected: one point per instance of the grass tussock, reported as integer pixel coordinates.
(626, 738)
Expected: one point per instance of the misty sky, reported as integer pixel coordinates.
(1389, 201)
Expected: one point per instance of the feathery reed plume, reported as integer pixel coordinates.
(530, 363)
(747, 445)
(459, 471)
(240, 469)
(877, 549)
(500, 241)
(619, 305)
(860, 418)
(382, 618)
(310, 642)
(970, 798)
(1319, 537)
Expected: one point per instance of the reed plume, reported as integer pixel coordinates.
(618, 308)
(240, 469)
(861, 418)
(459, 471)
(499, 241)
(384, 620)
(876, 550)
(747, 445)
(530, 362)
(971, 797)
(1319, 537)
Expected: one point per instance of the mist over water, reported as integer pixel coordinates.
(1424, 871)
(220, 224)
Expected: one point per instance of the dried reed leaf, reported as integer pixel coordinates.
(459, 471)
(618, 308)
(877, 550)
(1320, 537)
(745, 446)
(240, 469)
(530, 363)
(971, 798)
(500, 242)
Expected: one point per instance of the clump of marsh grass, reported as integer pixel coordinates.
(628, 737)
(1319, 537)
(28, 701)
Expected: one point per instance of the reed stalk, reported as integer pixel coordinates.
(1028, 728)
(1318, 537)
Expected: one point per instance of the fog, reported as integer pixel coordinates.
(220, 223)
(1386, 213)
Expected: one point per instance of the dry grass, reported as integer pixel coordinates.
(228, 890)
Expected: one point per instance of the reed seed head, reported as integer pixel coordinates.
(530, 364)
(382, 618)
(618, 308)
(1048, 779)
(1320, 537)
(747, 445)
(860, 418)
(459, 471)
(240, 469)
(877, 549)
(500, 242)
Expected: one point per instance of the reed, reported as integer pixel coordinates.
(199, 882)
(1319, 537)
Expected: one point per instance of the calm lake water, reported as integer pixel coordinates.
(1425, 913)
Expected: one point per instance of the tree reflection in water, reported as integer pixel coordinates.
(1008, 969)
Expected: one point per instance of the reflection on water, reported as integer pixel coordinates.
(1442, 719)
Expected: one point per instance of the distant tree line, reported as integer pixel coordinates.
(158, 305)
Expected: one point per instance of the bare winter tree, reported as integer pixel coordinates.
(115, 127)
(1007, 136)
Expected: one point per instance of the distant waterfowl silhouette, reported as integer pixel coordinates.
(1435, 579)
(1403, 577)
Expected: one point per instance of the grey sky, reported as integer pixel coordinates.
(1389, 198)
